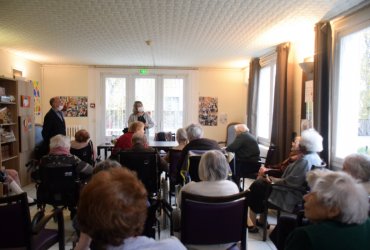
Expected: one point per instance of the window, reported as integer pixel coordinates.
(115, 106)
(265, 103)
(162, 97)
(351, 126)
(173, 104)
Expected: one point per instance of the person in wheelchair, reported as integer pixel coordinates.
(59, 155)
(112, 211)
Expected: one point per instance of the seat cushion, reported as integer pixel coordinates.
(45, 239)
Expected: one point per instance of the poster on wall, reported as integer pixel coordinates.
(208, 111)
(37, 97)
(74, 106)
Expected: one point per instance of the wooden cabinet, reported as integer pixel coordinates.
(9, 139)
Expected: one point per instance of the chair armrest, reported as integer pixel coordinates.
(40, 220)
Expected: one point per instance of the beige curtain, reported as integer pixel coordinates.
(322, 62)
(254, 70)
(282, 126)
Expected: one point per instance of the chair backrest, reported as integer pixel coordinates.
(145, 164)
(213, 220)
(174, 158)
(15, 226)
(230, 133)
(193, 163)
(59, 185)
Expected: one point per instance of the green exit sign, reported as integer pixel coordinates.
(143, 71)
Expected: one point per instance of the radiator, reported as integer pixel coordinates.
(71, 131)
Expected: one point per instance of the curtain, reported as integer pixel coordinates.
(322, 62)
(282, 126)
(254, 70)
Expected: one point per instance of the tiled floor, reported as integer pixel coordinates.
(254, 240)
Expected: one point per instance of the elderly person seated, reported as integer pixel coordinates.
(338, 207)
(213, 173)
(247, 152)
(358, 165)
(294, 176)
(11, 178)
(124, 141)
(83, 148)
(60, 155)
(140, 144)
(182, 140)
(196, 142)
(278, 169)
(112, 211)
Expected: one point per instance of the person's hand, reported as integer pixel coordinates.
(262, 170)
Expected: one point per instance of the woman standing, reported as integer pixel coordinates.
(138, 114)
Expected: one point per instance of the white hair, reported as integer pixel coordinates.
(213, 166)
(358, 165)
(241, 128)
(60, 141)
(194, 131)
(340, 190)
(311, 140)
(181, 135)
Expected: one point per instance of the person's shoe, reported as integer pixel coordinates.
(253, 229)
(260, 224)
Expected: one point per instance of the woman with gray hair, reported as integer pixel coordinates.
(338, 207)
(358, 166)
(213, 172)
(294, 176)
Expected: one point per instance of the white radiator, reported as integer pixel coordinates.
(71, 131)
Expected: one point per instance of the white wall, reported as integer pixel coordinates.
(228, 87)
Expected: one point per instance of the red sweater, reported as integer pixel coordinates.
(123, 142)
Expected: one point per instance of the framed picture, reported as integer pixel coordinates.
(25, 101)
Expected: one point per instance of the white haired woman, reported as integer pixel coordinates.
(60, 154)
(338, 207)
(358, 165)
(247, 152)
(213, 172)
(294, 175)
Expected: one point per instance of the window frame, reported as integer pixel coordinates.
(268, 60)
(341, 28)
(130, 96)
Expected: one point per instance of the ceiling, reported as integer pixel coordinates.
(182, 33)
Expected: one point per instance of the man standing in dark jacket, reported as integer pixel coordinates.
(54, 123)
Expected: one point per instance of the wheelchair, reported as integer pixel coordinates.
(58, 186)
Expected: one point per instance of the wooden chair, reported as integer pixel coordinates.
(18, 232)
(214, 220)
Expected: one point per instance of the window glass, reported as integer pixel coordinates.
(172, 104)
(115, 106)
(352, 127)
(265, 102)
